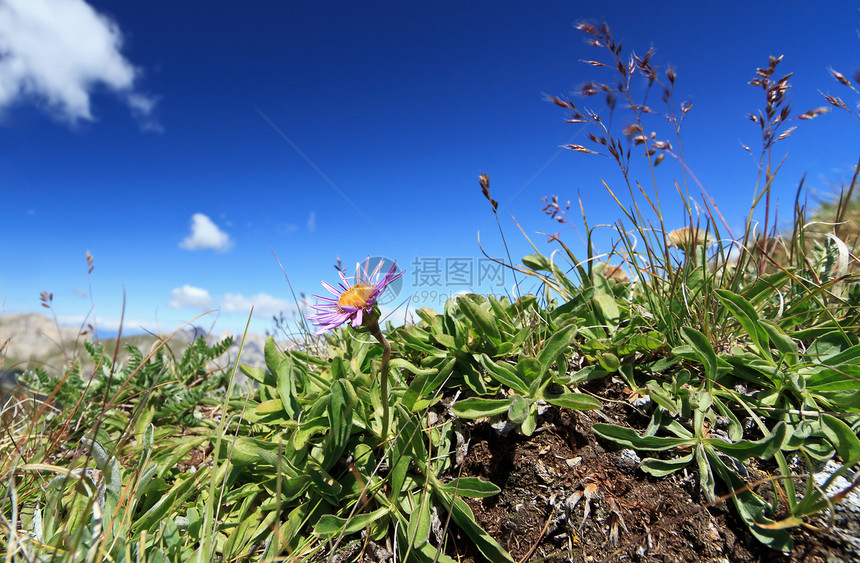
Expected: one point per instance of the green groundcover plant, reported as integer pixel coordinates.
(741, 351)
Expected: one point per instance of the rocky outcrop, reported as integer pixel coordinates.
(37, 337)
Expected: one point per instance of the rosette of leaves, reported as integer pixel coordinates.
(531, 381)
(452, 343)
(687, 408)
(470, 344)
(322, 473)
(611, 333)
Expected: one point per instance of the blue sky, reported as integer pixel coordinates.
(183, 143)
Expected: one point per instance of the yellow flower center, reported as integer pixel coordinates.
(356, 296)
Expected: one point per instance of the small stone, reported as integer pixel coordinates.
(627, 461)
(712, 534)
(544, 474)
(504, 427)
(851, 502)
(573, 462)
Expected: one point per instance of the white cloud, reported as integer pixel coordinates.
(312, 222)
(198, 298)
(57, 52)
(206, 234)
(284, 228)
(263, 303)
(142, 110)
(190, 296)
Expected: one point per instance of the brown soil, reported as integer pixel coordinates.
(630, 516)
(567, 496)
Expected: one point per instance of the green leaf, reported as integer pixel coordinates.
(557, 345)
(848, 447)
(703, 350)
(146, 478)
(472, 487)
(750, 506)
(498, 309)
(324, 483)
(851, 357)
(143, 427)
(607, 308)
(109, 466)
(435, 382)
(273, 355)
(504, 373)
(429, 553)
(781, 341)
(445, 340)
(465, 520)
(169, 503)
(629, 438)
(706, 476)
(588, 373)
(537, 262)
(454, 325)
(418, 529)
(827, 379)
(747, 317)
(663, 364)
(343, 399)
(764, 448)
(330, 525)
(827, 346)
(408, 448)
(477, 407)
(179, 449)
(272, 406)
(482, 319)
(519, 409)
(416, 337)
(287, 388)
(404, 364)
(308, 429)
(243, 450)
(473, 378)
(843, 439)
(257, 374)
(530, 423)
(703, 401)
(575, 401)
(663, 467)
(642, 343)
(292, 488)
(528, 369)
(608, 361)
(414, 391)
(735, 430)
(764, 286)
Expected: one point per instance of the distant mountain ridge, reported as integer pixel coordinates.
(34, 337)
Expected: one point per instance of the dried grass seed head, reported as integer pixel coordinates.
(615, 273)
(484, 180)
(688, 238)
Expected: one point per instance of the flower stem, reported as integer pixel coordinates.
(383, 374)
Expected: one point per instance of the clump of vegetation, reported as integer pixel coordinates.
(735, 352)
